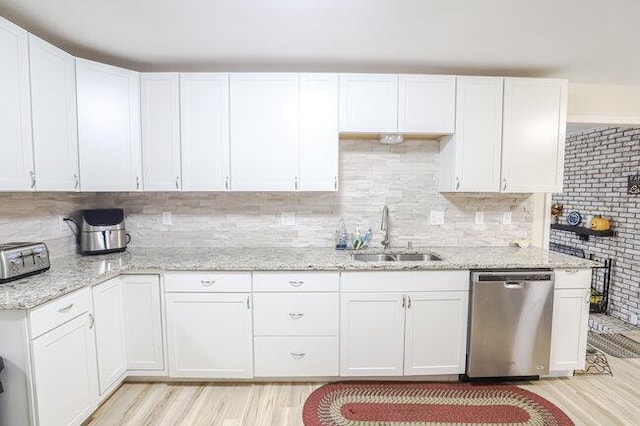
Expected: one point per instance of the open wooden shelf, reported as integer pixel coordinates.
(582, 232)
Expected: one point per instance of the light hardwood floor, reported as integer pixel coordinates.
(588, 400)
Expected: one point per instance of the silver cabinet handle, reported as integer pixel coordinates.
(33, 178)
(404, 300)
(248, 302)
(66, 308)
(76, 181)
(226, 182)
(92, 320)
(457, 183)
(295, 183)
(588, 298)
(298, 355)
(137, 182)
(504, 184)
(408, 301)
(295, 316)
(572, 271)
(207, 283)
(177, 182)
(296, 283)
(335, 182)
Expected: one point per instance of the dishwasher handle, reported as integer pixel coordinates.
(514, 284)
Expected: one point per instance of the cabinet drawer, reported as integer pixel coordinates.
(49, 316)
(296, 314)
(296, 356)
(572, 278)
(393, 281)
(207, 282)
(296, 281)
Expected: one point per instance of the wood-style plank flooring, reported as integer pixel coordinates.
(588, 400)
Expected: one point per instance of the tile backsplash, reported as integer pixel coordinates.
(404, 176)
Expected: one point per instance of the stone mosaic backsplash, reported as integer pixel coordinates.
(405, 177)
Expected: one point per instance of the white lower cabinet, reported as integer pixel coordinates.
(209, 335)
(108, 308)
(570, 319)
(65, 373)
(143, 323)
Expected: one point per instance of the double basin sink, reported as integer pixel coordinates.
(391, 257)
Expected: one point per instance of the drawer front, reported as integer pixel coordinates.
(393, 281)
(296, 356)
(207, 282)
(296, 281)
(572, 278)
(49, 316)
(296, 314)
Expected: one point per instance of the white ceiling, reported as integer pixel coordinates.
(583, 40)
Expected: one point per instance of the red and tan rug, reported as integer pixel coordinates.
(350, 404)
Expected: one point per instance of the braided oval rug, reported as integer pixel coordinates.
(377, 404)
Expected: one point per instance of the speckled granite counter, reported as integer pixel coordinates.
(73, 272)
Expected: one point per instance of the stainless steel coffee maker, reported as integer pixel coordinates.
(102, 231)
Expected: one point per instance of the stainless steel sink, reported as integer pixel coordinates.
(399, 257)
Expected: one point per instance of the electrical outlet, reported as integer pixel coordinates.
(506, 218)
(479, 218)
(166, 218)
(64, 228)
(436, 217)
(633, 319)
(288, 219)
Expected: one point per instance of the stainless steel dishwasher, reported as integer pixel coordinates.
(510, 324)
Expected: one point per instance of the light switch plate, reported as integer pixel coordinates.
(166, 218)
(506, 218)
(479, 218)
(288, 219)
(436, 217)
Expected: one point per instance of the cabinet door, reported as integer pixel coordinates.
(65, 373)
(426, 104)
(436, 333)
(204, 109)
(110, 341)
(478, 139)
(55, 125)
(108, 127)
(209, 335)
(371, 334)
(368, 103)
(569, 329)
(318, 132)
(16, 161)
(160, 109)
(264, 132)
(143, 322)
(534, 127)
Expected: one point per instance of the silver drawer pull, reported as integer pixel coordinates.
(572, 271)
(298, 355)
(66, 308)
(296, 283)
(295, 316)
(207, 283)
(92, 321)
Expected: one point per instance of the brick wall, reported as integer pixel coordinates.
(597, 165)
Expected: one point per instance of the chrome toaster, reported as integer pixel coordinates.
(18, 260)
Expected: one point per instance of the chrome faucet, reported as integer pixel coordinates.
(384, 226)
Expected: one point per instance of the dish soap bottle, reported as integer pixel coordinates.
(341, 240)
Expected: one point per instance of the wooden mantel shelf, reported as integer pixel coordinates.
(582, 232)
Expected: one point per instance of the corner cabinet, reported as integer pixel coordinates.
(204, 119)
(16, 161)
(570, 320)
(160, 120)
(419, 330)
(108, 127)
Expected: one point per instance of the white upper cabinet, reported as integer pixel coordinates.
(204, 109)
(53, 109)
(470, 159)
(16, 161)
(426, 103)
(368, 103)
(264, 132)
(108, 127)
(534, 130)
(318, 167)
(160, 110)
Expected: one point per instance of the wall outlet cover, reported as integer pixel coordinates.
(479, 218)
(436, 217)
(288, 219)
(506, 218)
(166, 218)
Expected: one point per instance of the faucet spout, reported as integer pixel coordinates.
(384, 226)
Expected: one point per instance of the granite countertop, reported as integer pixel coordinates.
(73, 272)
